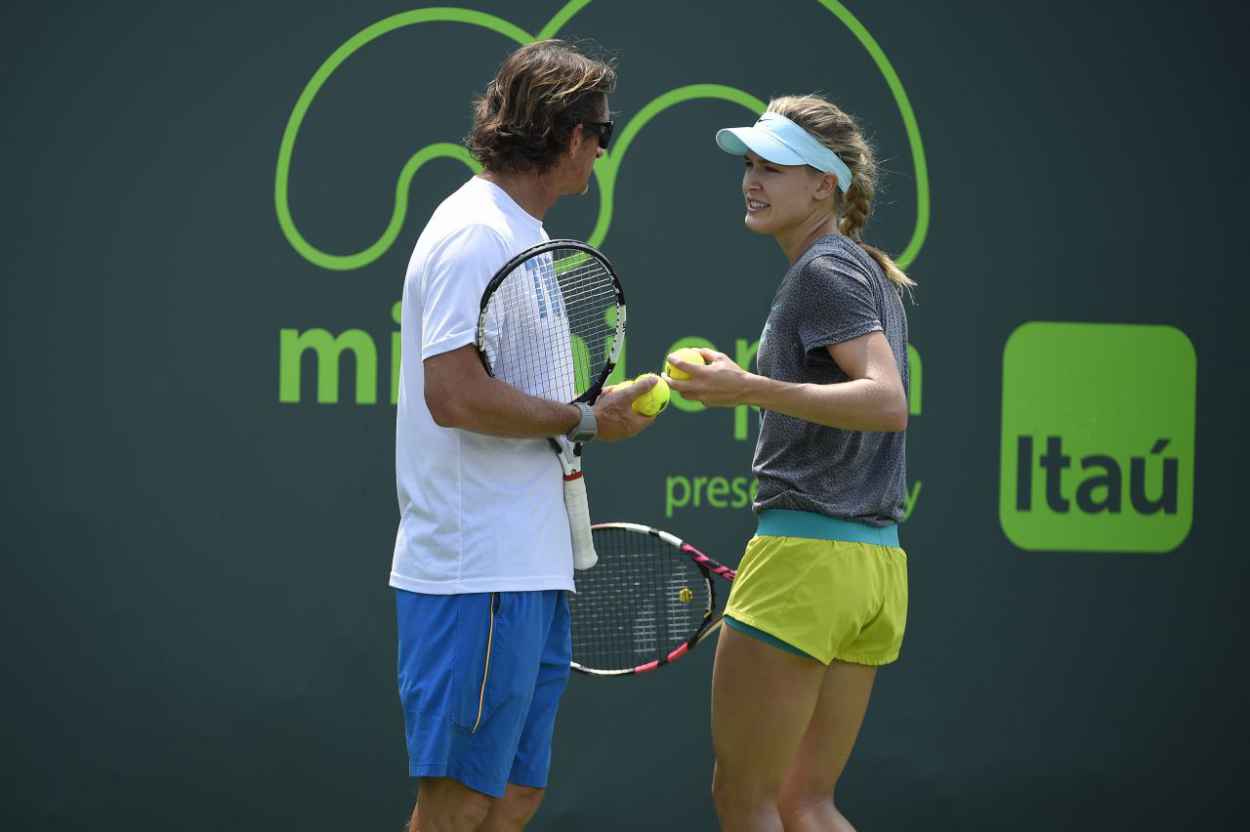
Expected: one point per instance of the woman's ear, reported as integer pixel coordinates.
(826, 186)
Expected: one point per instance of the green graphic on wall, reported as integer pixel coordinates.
(360, 365)
(1097, 451)
(606, 169)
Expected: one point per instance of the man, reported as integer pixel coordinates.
(483, 559)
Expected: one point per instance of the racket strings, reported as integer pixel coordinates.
(642, 601)
(550, 326)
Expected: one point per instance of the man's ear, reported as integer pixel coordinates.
(576, 137)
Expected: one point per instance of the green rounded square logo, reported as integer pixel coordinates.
(1097, 450)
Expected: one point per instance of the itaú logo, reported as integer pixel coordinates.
(607, 169)
(1098, 437)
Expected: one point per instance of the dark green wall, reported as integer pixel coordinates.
(199, 632)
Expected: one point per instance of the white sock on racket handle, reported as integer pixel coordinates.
(584, 555)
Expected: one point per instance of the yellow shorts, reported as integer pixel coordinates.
(829, 598)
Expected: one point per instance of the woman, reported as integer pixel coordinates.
(821, 596)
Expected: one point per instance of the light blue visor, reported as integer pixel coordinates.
(782, 142)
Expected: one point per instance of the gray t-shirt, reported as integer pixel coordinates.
(834, 292)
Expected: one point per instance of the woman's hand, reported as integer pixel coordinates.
(718, 383)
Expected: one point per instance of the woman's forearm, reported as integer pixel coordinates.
(860, 404)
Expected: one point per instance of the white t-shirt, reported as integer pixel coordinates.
(477, 513)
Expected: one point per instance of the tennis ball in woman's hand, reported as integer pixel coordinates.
(652, 402)
(688, 354)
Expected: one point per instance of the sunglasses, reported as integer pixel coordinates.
(602, 129)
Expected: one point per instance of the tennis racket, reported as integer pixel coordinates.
(552, 324)
(650, 601)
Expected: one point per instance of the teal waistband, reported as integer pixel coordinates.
(779, 522)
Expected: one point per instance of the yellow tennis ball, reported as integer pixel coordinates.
(652, 402)
(688, 354)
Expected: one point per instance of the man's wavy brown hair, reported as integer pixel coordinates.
(542, 91)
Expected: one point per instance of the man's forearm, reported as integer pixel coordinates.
(488, 405)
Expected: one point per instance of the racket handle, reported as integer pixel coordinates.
(578, 509)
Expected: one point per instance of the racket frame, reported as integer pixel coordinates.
(711, 618)
(618, 340)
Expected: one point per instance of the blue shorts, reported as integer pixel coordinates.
(480, 679)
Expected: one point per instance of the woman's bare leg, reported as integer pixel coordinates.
(762, 701)
(807, 792)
